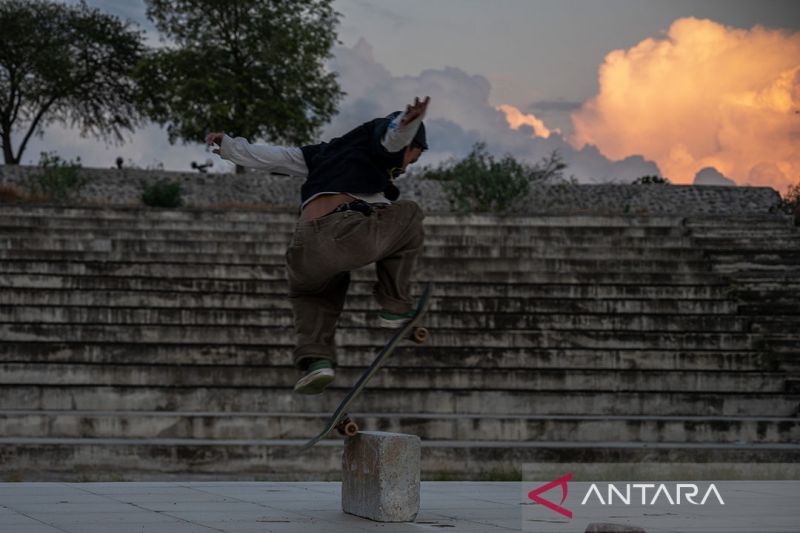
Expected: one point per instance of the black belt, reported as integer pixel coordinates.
(358, 205)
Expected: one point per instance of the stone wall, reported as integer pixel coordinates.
(124, 187)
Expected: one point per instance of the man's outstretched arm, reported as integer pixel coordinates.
(279, 159)
(403, 128)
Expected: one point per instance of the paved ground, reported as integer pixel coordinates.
(315, 507)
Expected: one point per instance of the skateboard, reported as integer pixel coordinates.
(411, 331)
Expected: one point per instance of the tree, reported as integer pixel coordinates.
(64, 64)
(482, 183)
(250, 67)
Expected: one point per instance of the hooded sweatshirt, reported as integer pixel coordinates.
(362, 163)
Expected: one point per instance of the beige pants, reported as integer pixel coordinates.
(324, 251)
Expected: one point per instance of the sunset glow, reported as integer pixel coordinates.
(517, 118)
(705, 95)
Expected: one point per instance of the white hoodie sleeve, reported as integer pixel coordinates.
(279, 159)
(397, 137)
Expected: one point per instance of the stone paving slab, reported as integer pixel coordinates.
(238, 507)
(244, 507)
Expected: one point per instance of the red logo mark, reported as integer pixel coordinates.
(562, 482)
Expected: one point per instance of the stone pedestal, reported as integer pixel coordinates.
(380, 476)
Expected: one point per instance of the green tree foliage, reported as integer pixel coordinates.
(64, 64)
(249, 67)
(484, 184)
(651, 180)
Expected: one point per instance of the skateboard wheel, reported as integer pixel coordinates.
(347, 427)
(350, 429)
(419, 335)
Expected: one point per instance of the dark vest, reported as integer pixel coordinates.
(357, 162)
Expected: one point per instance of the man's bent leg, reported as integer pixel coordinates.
(401, 241)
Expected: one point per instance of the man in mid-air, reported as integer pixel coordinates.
(349, 218)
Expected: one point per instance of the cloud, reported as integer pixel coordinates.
(379, 11)
(517, 119)
(712, 176)
(461, 115)
(705, 95)
(554, 105)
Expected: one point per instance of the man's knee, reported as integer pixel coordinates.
(416, 216)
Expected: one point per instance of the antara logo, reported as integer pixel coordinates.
(683, 492)
(560, 482)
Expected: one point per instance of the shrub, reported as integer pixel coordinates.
(10, 194)
(790, 202)
(481, 183)
(651, 180)
(163, 194)
(58, 181)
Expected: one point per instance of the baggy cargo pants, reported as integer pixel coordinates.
(324, 251)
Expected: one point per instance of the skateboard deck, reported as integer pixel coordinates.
(410, 330)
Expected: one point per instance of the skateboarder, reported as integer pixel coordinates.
(349, 218)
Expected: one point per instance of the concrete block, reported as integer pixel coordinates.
(381, 476)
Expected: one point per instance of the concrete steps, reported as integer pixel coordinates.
(277, 460)
(178, 275)
(376, 337)
(155, 343)
(273, 253)
(355, 318)
(268, 230)
(485, 402)
(358, 300)
(549, 238)
(434, 357)
(152, 375)
(465, 427)
(428, 264)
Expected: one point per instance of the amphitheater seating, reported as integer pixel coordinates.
(155, 344)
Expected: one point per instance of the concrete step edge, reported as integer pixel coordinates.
(425, 416)
(106, 442)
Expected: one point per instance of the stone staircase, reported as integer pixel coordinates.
(144, 344)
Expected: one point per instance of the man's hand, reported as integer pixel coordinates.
(415, 110)
(214, 138)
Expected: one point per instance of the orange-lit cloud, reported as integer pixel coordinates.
(517, 118)
(706, 95)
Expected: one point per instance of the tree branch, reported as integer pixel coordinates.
(35, 124)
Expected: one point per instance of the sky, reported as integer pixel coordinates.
(699, 91)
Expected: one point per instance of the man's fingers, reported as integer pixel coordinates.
(416, 109)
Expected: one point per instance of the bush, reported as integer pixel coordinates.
(163, 194)
(59, 181)
(10, 195)
(790, 202)
(651, 180)
(483, 184)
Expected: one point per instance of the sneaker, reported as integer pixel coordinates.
(317, 376)
(395, 320)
